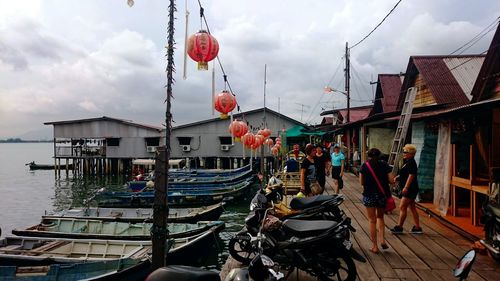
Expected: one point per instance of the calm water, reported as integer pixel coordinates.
(25, 195)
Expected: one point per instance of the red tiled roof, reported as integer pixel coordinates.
(438, 78)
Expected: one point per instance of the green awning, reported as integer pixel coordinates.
(298, 131)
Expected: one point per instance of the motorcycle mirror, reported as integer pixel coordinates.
(267, 261)
(464, 265)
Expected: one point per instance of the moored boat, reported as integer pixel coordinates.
(177, 197)
(108, 230)
(186, 215)
(34, 166)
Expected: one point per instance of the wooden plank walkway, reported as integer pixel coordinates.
(428, 256)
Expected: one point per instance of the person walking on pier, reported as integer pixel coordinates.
(308, 171)
(322, 163)
(373, 173)
(338, 159)
(408, 185)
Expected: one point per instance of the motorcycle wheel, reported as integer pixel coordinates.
(346, 270)
(241, 249)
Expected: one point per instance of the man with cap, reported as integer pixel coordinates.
(338, 159)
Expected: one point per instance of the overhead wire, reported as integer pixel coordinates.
(226, 80)
(478, 37)
(321, 98)
(364, 38)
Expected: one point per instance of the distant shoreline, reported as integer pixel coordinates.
(24, 141)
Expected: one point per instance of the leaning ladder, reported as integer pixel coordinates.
(400, 135)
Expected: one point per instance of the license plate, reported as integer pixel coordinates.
(347, 244)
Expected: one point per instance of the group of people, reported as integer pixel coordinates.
(375, 176)
(317, 166)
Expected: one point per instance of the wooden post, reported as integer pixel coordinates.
(160, 210)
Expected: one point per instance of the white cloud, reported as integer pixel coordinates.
(63, 60)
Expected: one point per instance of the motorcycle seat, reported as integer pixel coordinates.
(181, 273)
(308, 202)
(304, 228)
(495, 209)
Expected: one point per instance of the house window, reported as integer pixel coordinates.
(113, 141)
(153, 141)
(184, 140)
(225, 140)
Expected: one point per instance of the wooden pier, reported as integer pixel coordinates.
(428, 256)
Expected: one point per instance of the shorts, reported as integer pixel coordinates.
(374, 201)
(336, 172)
(412, 193)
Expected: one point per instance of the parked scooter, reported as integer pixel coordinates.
(319, 247)
(491, 217)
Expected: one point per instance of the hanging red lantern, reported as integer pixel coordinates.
(275, 150)
(225, 102)
(269, 142)
(248, 139)
(202, 48)
(266, 133)
(259, 140)
(238, 129)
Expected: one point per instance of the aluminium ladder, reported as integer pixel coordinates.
(400, 135)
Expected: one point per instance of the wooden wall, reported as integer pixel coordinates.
(424, 96)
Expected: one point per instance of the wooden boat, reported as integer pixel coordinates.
(186, 215)
(123, 269)
(179, 197)
(199, 180)
(34, 166)
(208, 172)
(62, 263)
(108, 230)
(37, 251)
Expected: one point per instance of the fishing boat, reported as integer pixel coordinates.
(123, 269)
(175, 215)
(177, 197)
(108, 230)
(195, 179)
(34, 166)
(37, 251)
(45, 259)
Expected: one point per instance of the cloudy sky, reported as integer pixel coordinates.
(68, 59)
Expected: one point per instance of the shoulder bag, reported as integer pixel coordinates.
(390, 204)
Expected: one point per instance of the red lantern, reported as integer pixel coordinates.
(225, 102)
(275, 150)
(238, 129)
(269, 142)
(248, 139)
(202, 47)
(266, 133)
(259, 140)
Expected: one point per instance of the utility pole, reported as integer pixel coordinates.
(265, 126)
(347, 91)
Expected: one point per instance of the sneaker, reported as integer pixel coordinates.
(397, 229)
(416, 230)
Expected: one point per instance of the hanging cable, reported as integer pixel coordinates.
(226, 81)
(393, 8)
(478, 36)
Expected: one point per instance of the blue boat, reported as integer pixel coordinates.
(176, 197)
(198, 177)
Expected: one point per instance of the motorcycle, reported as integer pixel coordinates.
(491, 217)
(321, 248)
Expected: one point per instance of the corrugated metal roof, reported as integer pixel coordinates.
(355, 114)
(489, 71)
(104, 118)
(438, 77)
(391, 88)
(465, 71)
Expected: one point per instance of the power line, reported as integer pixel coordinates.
(476, 38)
(393, 8)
